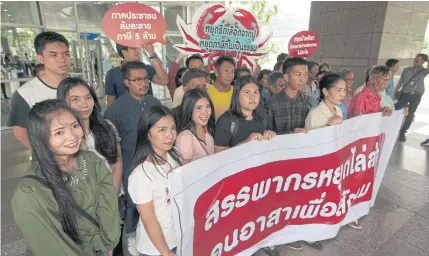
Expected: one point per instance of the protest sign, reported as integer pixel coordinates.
(294, 187)
(303, 44)
(134, 25)
(216, 30)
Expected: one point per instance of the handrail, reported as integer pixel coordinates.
(16, 80)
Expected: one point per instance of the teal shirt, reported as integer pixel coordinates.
(386, 101)
(343, 110)
(390, 90)
(266, 94)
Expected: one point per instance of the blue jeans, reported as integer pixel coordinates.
(173, 251)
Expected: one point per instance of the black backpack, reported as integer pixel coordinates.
(233, 129)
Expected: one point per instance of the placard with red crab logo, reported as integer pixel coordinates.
(216, 30)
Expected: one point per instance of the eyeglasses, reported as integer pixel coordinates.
(139, 80)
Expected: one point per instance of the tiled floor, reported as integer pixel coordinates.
(397, 225)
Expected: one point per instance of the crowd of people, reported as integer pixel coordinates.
(93, 175)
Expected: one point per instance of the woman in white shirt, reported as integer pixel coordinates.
(328, 112)
(100, 135)
(333, 91)
(154, 160)
(196, 126)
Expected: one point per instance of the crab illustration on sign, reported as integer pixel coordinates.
(216, 31)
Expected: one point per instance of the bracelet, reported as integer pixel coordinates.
(153, 57)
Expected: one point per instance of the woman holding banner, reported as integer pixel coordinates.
(154, 159)
(196, 127)
(328, 113)
(245, 121)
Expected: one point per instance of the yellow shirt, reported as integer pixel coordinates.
(221, 100)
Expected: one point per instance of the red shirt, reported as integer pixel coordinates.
(366, 102)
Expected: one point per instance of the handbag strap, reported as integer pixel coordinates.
(81, 211)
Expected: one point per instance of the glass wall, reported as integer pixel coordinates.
(59, 15)
(170, 14)
(171, 52)
(18, 57)
(90, 14)
(20, 13)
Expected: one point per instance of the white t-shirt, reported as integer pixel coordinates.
(149, 183)
(319, 116)
(32, 92)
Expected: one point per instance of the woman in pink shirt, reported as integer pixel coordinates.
(196, 126)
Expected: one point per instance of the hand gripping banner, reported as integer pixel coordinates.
(294, 187)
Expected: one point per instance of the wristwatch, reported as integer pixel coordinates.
(153, 57)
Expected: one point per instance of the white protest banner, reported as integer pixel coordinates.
(294, 187)
(216, 30)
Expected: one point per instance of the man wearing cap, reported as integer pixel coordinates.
(194, 78)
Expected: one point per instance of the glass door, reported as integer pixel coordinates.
(18, 59)
(95, 67)
(96, 60)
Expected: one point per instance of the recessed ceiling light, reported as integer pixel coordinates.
(9, 15)
(5, 10)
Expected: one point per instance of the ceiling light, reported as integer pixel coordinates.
(9, 15)
(5, 10)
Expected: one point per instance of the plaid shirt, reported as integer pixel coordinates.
(286, 114)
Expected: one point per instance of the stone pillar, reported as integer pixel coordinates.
(404, 31)
(356, 34)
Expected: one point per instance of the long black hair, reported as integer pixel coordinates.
(187, 109)
(178, 76)
(259, 112)
(46, 164)
(144, 150)
(104, 134)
